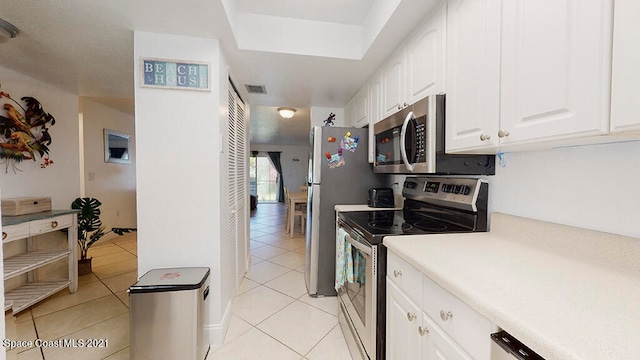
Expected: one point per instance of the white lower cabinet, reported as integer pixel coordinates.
(437, 345)
(403, 320)
(424, 321)
(411, 334)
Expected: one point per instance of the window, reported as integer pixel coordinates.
(263, 179)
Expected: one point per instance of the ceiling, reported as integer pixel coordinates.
(86, 47)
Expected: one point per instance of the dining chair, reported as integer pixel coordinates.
(296, 212)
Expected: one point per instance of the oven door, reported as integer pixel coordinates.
(358, 298)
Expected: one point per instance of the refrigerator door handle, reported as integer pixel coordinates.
(403, 136)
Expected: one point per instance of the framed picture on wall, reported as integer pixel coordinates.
(175, 74)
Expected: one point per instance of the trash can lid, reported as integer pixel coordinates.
(171, 279)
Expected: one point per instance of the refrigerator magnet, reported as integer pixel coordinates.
(335, 161)
(348, 143)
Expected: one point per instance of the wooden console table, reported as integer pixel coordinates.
(27, 227)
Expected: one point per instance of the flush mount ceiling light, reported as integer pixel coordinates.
(286, 112)
(7, 31)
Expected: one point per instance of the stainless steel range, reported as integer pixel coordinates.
(433, 205)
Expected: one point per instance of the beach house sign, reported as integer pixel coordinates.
(175, 74)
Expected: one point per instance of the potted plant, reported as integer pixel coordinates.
(90, 229)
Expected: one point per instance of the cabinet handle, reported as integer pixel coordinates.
(422, 330)
(411, 316)
(484, 137)
(445, 315)
(54, 224)
(397, 273)
(405, 104)
(4, 235)
(503, 133)
(399, 107)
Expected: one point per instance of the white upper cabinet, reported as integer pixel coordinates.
(350, 113)
(525, 72)
(418, 68)
(393, 85)
(425, 58)
(555, 71)
(625, 97)
(375, 91)
(473, 74)
(375, 115)
(361, 107)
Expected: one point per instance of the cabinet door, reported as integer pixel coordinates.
(473, 74)
(555, 68)
(375, 108)
(403, 319)
(625, 97)
(349, 114)
(393, 85)
(437, 345)
(425, 58)
(374, 112)
(361, 107)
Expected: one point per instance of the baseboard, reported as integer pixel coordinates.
(217, 332)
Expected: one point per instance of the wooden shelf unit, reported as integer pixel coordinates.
(27, 227)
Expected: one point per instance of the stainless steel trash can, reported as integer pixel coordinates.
(167, 311)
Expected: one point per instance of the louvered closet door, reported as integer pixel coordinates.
(238, 187)
(230, 259)
(242, 187)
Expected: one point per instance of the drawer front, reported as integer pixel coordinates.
(405, 276)
(50, 224)
(15, 232)
(465, 326)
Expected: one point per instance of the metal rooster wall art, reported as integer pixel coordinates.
(24, 132)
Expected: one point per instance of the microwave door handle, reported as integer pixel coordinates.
(403, 135)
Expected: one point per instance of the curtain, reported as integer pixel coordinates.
(274, 156)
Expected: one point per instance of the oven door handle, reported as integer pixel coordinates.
(403, 136)
(358, 245)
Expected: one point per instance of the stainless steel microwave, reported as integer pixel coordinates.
(411, 141)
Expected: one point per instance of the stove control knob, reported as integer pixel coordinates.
(455, 189)
(397, 273)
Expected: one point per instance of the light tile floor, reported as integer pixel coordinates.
(273, 317)
(99, 309)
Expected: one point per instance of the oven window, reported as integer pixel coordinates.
(356, 290)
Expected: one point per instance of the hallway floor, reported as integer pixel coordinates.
(273, 317)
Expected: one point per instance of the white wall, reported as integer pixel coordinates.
(60, 181)
(293, 172)
(320, 114)
(178, 167)
(113, 184)
(594, 187)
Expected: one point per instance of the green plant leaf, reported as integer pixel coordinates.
(122, 231)
(89, 216)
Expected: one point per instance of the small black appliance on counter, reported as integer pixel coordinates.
(381, 198)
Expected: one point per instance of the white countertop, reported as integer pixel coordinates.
(565, 292)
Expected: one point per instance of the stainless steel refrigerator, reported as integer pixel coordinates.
(337, 175)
